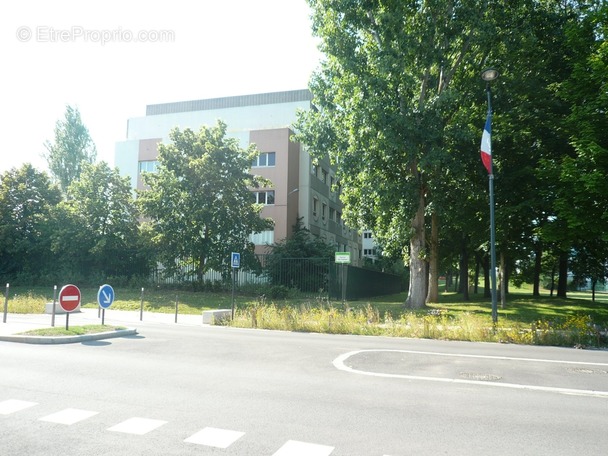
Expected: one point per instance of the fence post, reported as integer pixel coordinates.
(54, 304)
(5, 303)
(176, 308)
(141, 305)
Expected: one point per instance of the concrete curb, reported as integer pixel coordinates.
(24, 339)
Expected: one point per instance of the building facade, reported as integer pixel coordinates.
(301, 187)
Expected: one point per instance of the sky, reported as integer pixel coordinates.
(111, 58)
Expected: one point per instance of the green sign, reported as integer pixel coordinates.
(343, 257)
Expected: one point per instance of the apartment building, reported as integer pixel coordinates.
(301, 187)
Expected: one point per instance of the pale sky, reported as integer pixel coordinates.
(85, 54)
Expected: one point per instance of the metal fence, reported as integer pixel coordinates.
(309, 276)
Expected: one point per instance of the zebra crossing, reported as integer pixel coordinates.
(208, 436)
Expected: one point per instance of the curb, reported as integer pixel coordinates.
(68, 339)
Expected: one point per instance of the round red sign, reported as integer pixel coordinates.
(69, 298)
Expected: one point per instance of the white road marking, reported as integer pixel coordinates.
(14, 405)
(218, 438)
(295, 448)
(68, 416)
(339, 363)
(139, 426)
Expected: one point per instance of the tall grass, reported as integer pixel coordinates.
(577, 331)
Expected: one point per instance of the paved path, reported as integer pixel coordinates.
(19, 323)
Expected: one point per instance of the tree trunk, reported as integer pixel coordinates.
(538, 256)
(464, 270)
(562, 279)
(552, 280)
(477, 267)
(433, 294)
(503, 280)
(418, 277)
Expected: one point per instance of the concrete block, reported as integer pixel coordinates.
(211, 316)
(58, 310)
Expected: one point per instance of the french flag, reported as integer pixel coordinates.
(486, 144)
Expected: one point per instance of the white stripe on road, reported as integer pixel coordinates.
(339, 363)
(68, 416)
(213, 437)
(14, 405)
(139, 426)
(295, 448)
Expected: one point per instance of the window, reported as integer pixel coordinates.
(266, 197)
(367, 235)
(332, 181)
(315, 207)
(324, 211)
(332, 214)
(314, 170)
(369, 252)
(148, 166)
(338, 217)
(265, 159)
(324, 176)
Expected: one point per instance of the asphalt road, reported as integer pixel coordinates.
(199, 390)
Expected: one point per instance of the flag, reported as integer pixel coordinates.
(486, 144)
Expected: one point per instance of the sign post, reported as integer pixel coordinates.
(235, 261)
(343, 258)
(69, 300)
(105, 298)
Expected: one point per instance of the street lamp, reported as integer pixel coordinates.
(489, 75)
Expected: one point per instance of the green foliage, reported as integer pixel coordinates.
(71, 150)
(27, 203)
(199, 205)
(97, 228)
(301, 261)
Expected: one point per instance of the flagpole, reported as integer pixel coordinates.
(488, 76)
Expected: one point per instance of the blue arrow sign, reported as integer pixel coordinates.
(105, 296)
(236, 260)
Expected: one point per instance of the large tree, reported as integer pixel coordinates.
(71, 149)
(97, 233)
(199, 203)
(387, 93)
(27, 199)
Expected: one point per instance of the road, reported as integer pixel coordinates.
(200, 390)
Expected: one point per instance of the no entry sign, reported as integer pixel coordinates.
(69, 298)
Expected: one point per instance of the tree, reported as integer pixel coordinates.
(387, 93)
(27, 199)
(73, 147)
(199, 203)
(301, 261)
(98, 236)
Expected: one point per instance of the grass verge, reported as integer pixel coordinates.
(72, 330)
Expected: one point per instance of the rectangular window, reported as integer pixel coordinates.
(367, 235)
(265, 159)
(314, 170)
(148, 166)
(332, 214)
(324, 176)
(266, 197)
(324, 211)
(315, 207)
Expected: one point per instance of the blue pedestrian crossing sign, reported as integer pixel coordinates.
(105, 296)
(236, 260)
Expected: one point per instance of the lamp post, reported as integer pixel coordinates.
(489, 75)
